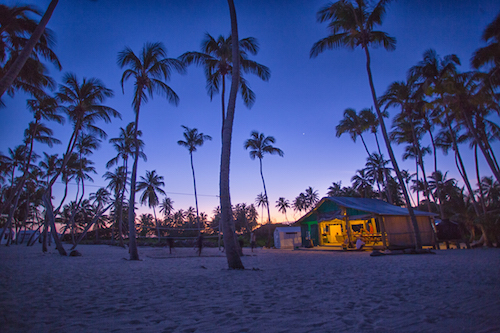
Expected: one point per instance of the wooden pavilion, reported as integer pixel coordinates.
(340, 221)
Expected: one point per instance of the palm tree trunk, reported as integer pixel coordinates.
(416, 147)
(485, 152)
(157, 225)
(230, 241)
(461, 167)
(223, 102)
(195, 194)
(18, 64)
(364, 144)
(87, 228)
(269, 239)
(418, 240)
(388, 191)
(481, 195)
(120, 213)
(51, 223)
(134, 254)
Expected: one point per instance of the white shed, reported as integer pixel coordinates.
(287, 237)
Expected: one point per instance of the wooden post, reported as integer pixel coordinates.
(382, 227)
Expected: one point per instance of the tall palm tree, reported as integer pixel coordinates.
(370, 120)
(150, 185)
(124, 145)
(261, 201)
(24, 64)
(353, 124)
(226, 216)
(376, 169)
(447, 139)
(351, 25)
(150, 70)
(489, 56)
(283, 204)
(217, 59)
(311, 196)
(82, 104)
(167, 207)
(431, 72)
(193, 139)
(100, 198)
(259, 145)
(299, 203)
(117, 183)
(362, 183)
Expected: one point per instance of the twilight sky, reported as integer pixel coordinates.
(300, 105)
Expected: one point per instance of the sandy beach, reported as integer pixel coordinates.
(280, 291)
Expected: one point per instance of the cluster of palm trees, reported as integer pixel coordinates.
(435, 101)
(434, 94)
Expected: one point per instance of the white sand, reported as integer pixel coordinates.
(290, 291)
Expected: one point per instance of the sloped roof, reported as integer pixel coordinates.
(374, 206)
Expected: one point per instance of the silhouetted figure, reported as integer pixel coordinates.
(199, 244)
(170, 242)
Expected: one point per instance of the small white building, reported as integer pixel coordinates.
(287, 237)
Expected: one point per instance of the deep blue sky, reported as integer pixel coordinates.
(300, 105)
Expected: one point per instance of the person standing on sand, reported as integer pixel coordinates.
(170, 242)
(252, 240)
(199, 244)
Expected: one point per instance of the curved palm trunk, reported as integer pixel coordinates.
(18, 190)
(87, 228)
(460, 165)
(481, 195)
(18, 64)
(484, 150)
(418, 240)
(134, 254)
(386, 175)
(364, 144)
(230, 241)
(195, 194)
(269, 239)
(416, 147)
(157, 225)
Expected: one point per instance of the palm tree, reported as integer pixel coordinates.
(282, 204)
(150, 185)
(352, 25)
(362, 183)
(311, 197)
(117, 184)
(376, 169)
(259, 145)
(488, 56)
(35, 132)
(100, 198)
(216, 58)
(167, 206)
(82, 103)
(226, 216)
(124, 144)
(353, 124)
(261, 201)
(193, 139)
(299, 203)
(17, 26)
(150, 70)
(370, 120)
(431, 72)
(448, 138)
